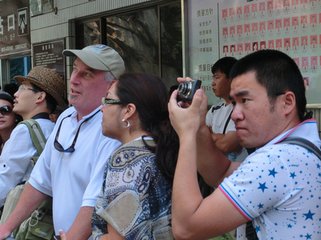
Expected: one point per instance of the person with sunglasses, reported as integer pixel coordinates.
(70, 168)
(135, 198)
(37, 96)
(8, 119)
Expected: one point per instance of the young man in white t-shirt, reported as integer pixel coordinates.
(218, 118)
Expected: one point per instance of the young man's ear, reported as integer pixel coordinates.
(289, 102)
(41, 96)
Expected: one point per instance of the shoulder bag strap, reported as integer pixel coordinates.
(304, 143)
(36, 134)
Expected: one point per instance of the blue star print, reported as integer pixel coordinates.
(279, 187)
(308, 236)
(308, 215)
(272, 172)
(292, 175)
(262, 186)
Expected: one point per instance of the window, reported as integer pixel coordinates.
(38, 7)
(148, 39)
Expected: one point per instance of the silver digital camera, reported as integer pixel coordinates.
(186, 90)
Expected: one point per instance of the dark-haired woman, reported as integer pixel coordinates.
(8, 119)
(135, 201)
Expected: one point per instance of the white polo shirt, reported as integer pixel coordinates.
(73, 179)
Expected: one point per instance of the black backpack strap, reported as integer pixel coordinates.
(250, 232)
(304, 143)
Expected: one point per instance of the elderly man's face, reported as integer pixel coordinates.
(87, 87)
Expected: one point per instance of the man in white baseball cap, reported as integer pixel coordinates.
(72, 164)
(100, 57)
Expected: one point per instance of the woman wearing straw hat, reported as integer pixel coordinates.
(38, 95)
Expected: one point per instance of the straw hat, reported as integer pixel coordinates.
(48, 80)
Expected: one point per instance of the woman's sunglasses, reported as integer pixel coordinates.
(5, 110)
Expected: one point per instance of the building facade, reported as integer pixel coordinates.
(168, 38)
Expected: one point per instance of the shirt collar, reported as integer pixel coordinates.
(42, 115)
(300, 130)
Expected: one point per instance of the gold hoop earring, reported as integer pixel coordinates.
(126, 122)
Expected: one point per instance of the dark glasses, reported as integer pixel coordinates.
(70, 149)
(5, 110)
(105, 101)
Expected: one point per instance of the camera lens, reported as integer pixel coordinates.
(184, 88)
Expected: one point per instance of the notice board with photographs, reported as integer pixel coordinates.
(239, 27)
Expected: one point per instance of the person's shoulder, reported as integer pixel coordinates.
(46, 125)
(45, 121)
(272, 151)
(19, 133)
(216, 107)
(136, 150)
(110, 140)
(67, 111)
(21, 127)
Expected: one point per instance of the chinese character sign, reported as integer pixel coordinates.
(14, 27)
(203, 42)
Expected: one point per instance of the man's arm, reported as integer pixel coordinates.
(228, 142)
(29, 200)
(81, 227)
(194, 217)
(212, 163)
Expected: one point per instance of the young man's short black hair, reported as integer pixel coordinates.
(277, 72)
(224, 65)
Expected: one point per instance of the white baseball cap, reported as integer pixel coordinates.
(100, 57)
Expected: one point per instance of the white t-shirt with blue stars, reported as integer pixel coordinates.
(279, 187)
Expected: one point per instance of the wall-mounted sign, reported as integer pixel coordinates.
(49, 54)
(239, 27)
(14, 27)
